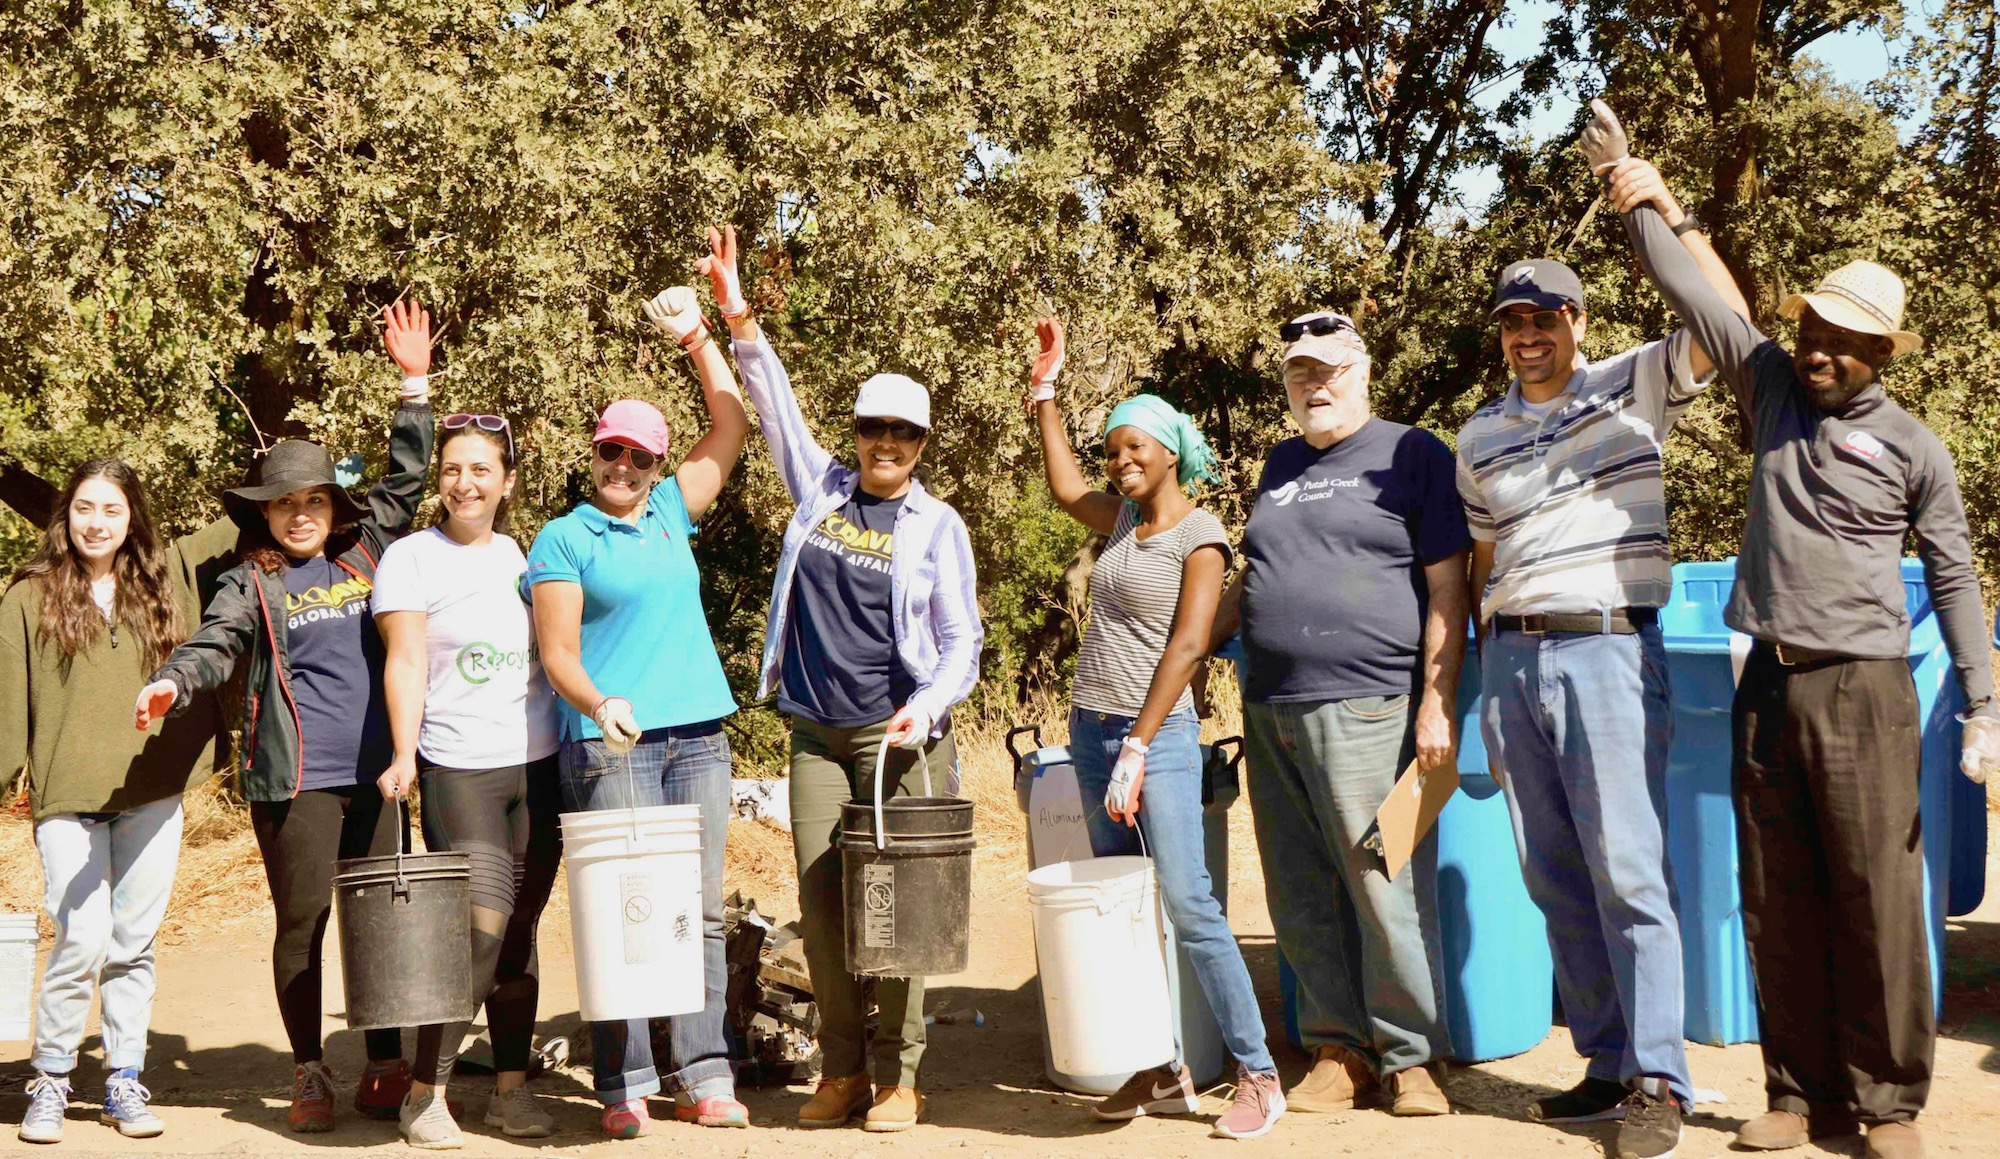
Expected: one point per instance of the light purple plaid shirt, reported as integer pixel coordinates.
(934, 593)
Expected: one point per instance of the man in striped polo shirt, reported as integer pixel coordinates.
(1561, 479)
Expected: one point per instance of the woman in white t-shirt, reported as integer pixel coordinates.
(471, 713)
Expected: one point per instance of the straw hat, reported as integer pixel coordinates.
(1859, 296)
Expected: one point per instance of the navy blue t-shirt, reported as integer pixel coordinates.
(840, 666)
(336, 675)
(1334, 597)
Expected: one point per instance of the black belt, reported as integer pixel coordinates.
(1795, 657)
(1617, 622)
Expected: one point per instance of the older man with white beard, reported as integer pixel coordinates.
(1353, 612)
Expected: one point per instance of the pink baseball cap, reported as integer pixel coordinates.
(631, 420)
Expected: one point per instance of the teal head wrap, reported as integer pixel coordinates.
(1174, 430)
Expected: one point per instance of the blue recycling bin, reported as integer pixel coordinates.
(1499, 981)
(1703, 656)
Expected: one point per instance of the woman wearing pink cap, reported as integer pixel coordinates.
(873, 634)
(624, 643)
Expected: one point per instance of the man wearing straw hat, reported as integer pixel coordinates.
(1827, 740)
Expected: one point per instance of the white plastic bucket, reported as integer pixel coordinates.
(635, 910)
(19, 937)
(1103, 965)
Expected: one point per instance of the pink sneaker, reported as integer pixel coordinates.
(626, 1120)
(1259, 1102)
(714, 1111)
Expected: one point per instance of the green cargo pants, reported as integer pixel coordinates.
(829, 767)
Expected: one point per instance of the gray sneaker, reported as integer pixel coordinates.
(519, 1115)
(48, 1098)
(125, 1107)
(427, 1124)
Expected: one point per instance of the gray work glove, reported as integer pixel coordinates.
(1603, 141)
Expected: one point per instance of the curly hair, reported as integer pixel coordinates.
(145, 602)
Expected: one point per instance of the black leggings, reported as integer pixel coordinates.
(505, 820)
(300, 840)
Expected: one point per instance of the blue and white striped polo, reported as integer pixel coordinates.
(1572, 501)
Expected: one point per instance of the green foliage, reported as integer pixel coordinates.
(207, 204)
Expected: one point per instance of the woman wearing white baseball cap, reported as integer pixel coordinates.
(873, 632)
(626, 646)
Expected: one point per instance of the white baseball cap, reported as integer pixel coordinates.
(894, 396)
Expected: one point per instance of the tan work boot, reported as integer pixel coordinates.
(1895, 1141)
(1339, 1080)
(895, 1109)
(1418, 1093)
(836, 1101)
(1774, 1131)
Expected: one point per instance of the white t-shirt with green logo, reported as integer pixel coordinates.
(488, 704)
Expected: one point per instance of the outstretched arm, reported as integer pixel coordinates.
(1094, 509)
(708, 464)
(801, 461)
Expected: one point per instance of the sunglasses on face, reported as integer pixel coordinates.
(1323, 324)
(1548, 320)
(492, 424)
(902, 430)
(611, 452)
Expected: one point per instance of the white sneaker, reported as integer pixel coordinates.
(427, 1124)
(519, 1115)
(48, 1098)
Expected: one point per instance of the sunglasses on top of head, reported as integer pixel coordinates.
(492, 424)
(1547, 320)
(1320, 325)
(611, 452)
(902, 430)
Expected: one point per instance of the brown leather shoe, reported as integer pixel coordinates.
(1895, 1141)
(836, 1101)
(1339, 1080)
(1774, 1131)
(895, 1109)
(1418, 1093)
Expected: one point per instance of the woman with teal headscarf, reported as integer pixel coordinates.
(1133, 733)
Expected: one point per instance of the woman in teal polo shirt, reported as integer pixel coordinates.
(625, 645)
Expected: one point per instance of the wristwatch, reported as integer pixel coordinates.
(1689, 223)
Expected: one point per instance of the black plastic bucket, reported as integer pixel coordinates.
(405, 939)
(909, 902)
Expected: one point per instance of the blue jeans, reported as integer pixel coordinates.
(684, 765)
(1170, 815)
(1366, 949)
(1579, 724)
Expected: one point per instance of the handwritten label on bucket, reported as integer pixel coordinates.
(642, 933)
(878, 889)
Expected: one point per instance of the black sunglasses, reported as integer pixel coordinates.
(902, 430)
(1548, 320)
(492, 424)
(1322, 324)
(611, 452)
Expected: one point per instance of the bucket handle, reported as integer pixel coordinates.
(402, 887)
(882, 755)
(1034, 730)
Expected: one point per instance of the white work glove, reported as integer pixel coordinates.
(614, 719)
(720, 266)
(1121, 796)
(1979, 752)
(910, 728)
(676, 312)
(1048, 361)
(1603, 141)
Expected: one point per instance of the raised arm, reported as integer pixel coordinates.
(801, 461)
(709, 463)
(32, 497)
(393, 500)
(1095, 509)
(405, 678)
(1635, 184)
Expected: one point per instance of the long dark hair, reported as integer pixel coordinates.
(144, 602)
(503, 445)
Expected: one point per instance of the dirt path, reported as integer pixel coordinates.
(219, 1068)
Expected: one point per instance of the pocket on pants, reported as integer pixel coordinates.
(1373, 708)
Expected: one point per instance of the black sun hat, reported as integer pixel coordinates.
(290, 465)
